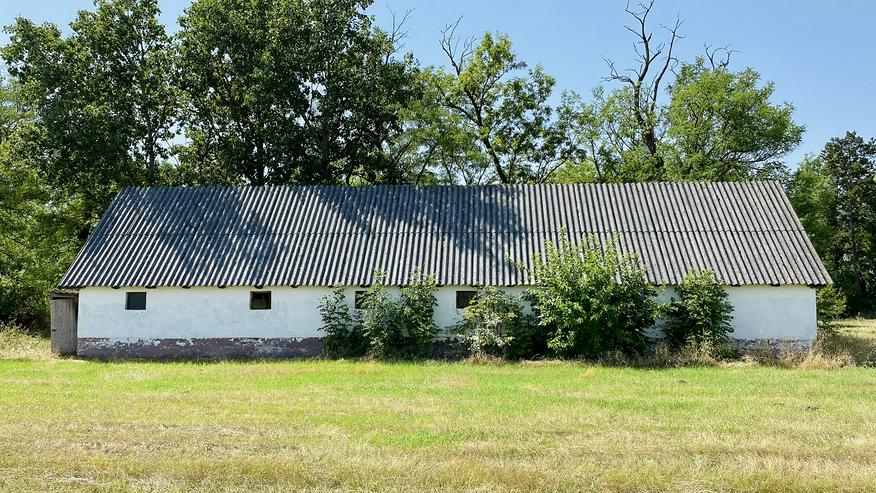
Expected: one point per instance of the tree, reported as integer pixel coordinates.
(722, 125)
(814, 197)
(36, 239)
(716, 125)
(835, 197)
(103, 103)
(492, 121)
(291, 91)
(851, 163)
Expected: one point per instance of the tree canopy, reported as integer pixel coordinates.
(490, 120)
(102, 99)
(290, 91)
(835, 196)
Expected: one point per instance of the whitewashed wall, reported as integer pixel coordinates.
(760, 312)
(765, 312)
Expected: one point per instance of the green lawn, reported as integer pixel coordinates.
(73, 425)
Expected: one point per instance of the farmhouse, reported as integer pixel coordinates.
(240, 271)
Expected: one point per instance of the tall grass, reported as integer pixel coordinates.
(17, 343)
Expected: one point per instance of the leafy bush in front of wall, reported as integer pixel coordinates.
(403, 327)
(700, 314)
(830, 304)
(345, 336)
(494, 324)
(592, 300)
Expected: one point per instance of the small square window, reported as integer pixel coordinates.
(260, 300)
(463, 298)
(359, 302)
(135, 301)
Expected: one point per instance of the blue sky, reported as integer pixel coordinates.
(818, 54)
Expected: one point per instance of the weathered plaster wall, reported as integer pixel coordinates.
(213, 312)
(197, 321)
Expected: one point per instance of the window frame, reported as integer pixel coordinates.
(129, 306)
(266, 297)
(461, 294)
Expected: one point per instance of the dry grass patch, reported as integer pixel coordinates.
(16, 343)
(856, 338)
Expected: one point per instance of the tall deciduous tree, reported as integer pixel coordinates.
(36, 240)
(835, 196)
(103, 103)
(491, 121)
(285, 91)
(722, 125)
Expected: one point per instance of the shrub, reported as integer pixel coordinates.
(494, 324)
(345, 337)
(592, 301)
(830, 304)
(701, 313)
(402, 328)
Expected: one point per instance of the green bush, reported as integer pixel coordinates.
(830, 304)
(494, 324)
(345, 337)
(701, 313)
(592, 301)
(402, 328)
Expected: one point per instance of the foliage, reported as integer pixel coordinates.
(813, 195)
(490, 120)
(345, 337)
(830, 304)
(37, 237)
(708, 123)
(593, 300)
(701, 313)
(835, 196)
(494, 324)
(722, 125)
(290, 91)
(403, 327)
(102, 98)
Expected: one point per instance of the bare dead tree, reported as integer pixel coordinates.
(654, 61)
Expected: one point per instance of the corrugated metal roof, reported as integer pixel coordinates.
(331, 236)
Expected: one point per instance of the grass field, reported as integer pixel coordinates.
(74, 425)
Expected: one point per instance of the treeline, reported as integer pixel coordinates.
(311, 91)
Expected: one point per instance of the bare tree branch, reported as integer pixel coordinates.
(398, 32)
(719, 58)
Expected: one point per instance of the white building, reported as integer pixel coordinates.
(240, 271)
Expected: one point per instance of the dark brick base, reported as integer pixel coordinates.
(772, 346)
(208, 348)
